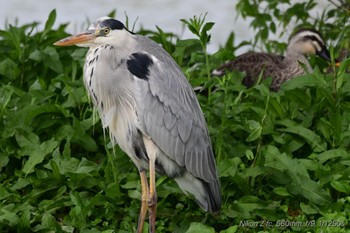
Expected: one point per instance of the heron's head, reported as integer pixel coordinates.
(308, 42)
(104, 31)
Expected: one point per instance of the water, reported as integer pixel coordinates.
(164, 13)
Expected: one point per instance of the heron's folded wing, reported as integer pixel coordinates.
(170, 114)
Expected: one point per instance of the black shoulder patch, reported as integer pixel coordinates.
(138, 64)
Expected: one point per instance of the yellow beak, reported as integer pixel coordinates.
(78, 39)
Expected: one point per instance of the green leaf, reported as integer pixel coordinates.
(38, 154)
(228, 167)
(249, 154)
(277, 107)
(113, 191)
(131, 185)
(281, 191)
(78, 54)
(52, 59)
(108, 231)
(313, 192)
(5, 96)
(86, 166)
(55, 169)
(232, 229)
(256, 129)
(27, 139)
(312, 138)
(76, 199)
(86, 141)
(308, 209)
(48, 221)
(68, 165)
(9, 69)
(199, 227)
(25, 115)
(3, 193)
(248, 204)
(51, 20)
(341, 186)
(36, 55)
(20, 184)
(253, 172)
(10, 217)
(24, 223)
(303, 81)
(208, 26)
(4, 160)
(332, 154)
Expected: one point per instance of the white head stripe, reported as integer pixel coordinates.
(308, 33)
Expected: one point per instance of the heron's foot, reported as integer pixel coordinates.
(142, 215)
(144, 201)
(152, 199)
(152, 211)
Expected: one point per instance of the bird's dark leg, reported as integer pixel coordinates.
(144, 200)
(152, 197)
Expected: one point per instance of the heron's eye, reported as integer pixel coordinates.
(105, 31)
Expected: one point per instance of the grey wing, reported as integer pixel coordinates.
(170, 114)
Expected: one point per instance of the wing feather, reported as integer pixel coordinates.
(171, 116)
(169, 120)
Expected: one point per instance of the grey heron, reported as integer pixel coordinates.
(151, 112)
(303, 42)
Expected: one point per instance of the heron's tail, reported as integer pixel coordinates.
(207, 195)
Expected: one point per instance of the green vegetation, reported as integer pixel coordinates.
(283, 158)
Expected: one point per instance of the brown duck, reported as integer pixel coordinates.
(303, 42)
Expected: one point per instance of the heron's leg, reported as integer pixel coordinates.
(144, 200)
(152, 197)
(152, 151)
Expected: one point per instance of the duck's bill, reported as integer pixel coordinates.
(324, 53)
